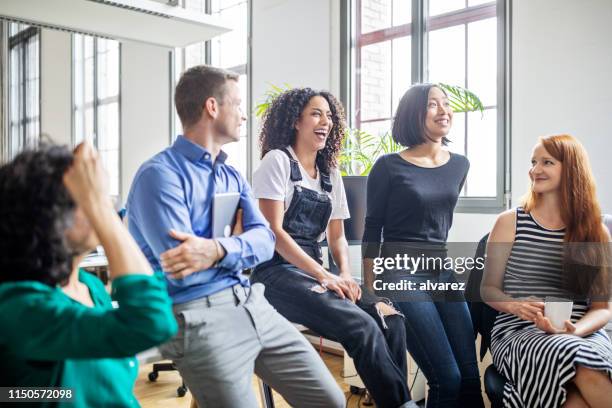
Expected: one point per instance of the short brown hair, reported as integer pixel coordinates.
(196, 85)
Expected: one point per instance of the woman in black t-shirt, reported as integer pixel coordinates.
(411, 199)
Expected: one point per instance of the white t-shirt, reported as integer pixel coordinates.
(272, 181)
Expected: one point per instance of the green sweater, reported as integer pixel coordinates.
(48, 339)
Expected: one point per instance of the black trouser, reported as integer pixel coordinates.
(379, 353)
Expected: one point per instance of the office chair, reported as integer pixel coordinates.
(157, 367)
(483, 318)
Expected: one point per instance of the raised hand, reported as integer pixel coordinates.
(85, 179)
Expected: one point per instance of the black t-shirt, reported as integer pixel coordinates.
(410, 203)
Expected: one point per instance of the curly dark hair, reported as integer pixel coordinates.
(278, 128)
(35, 209)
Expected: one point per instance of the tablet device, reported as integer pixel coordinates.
(224, 213)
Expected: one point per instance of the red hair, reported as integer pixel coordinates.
(580, 212)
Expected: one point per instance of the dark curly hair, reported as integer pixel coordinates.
(278, 128)
(35, 211)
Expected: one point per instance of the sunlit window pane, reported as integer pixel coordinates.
(376, 81)
(23, 87)
(482, 153)
(402, 12)
(457, 134)
(243, 84)
(88, 47)
(378, 128)
(32, 95)
(401, 70)
(108, 126)
(482, 60)
(196, 5)
(447, 55)
(217, 5)
(472, 3)
(236, 155)
(437, 7)
(230, 49)
(110, 161)
(108, 72)
(96, 100)
(89, 134)
(376, 15)
(195, 54)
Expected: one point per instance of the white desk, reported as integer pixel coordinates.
(94, 261)
(98, 264)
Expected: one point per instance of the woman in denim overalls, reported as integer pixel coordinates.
(301, 194)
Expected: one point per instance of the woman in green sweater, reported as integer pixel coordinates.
(57, 325)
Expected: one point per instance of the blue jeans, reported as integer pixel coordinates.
(440, 338)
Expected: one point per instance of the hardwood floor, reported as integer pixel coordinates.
(162, 393)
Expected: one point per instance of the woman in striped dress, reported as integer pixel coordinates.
(529, 259)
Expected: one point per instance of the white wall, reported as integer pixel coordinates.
(56, 85)
(145, 106)
(294, 42)
(561, 62)
(470, 227)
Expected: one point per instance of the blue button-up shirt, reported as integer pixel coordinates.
(174, 190)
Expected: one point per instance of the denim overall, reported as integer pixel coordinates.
(379, 353)
(307, 216)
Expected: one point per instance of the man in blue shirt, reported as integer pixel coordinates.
(227, 329)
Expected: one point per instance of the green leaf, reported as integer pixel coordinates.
(272, 93)
(461, 99)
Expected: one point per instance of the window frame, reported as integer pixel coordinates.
(21, 39)
(352, 41)
(97, 102)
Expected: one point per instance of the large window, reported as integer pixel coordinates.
(401, 42)
(24, 87)
(228, 51)
(95, 95)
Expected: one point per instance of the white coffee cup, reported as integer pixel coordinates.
(558, 310)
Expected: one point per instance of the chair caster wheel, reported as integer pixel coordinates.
(153, 376)
(355, 390)
(181, 391)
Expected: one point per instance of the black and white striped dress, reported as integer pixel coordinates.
(539, 365)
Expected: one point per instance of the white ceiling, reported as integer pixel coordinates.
(147, 21)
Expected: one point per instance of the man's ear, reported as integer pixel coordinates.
(211, 107)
